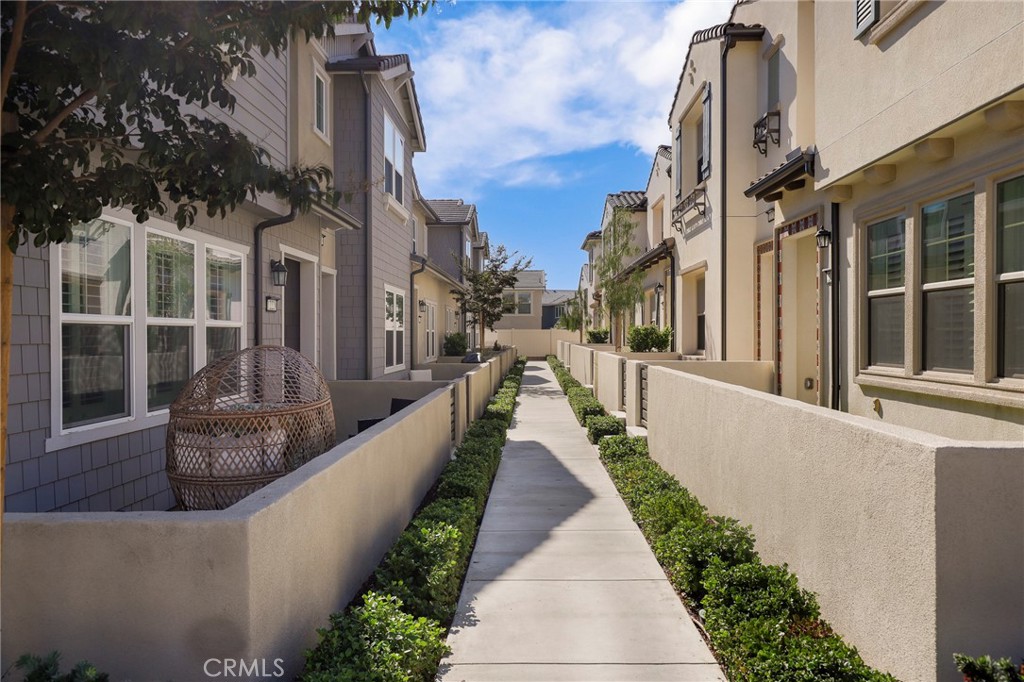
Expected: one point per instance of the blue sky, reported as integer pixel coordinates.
(534, 111)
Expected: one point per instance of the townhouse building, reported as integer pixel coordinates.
(524, 304)
(456, 242)
(110, 325)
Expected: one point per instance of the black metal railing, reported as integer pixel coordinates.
(767, 129)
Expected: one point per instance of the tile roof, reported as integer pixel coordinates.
(452, 210)
(798, 163)
(665, 151)
(627, 199)
(556, 296)
(531, 279)
(591, 237)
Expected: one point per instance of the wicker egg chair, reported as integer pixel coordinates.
(244, 421)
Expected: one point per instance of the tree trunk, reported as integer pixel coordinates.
(483, 328)
(6, 296)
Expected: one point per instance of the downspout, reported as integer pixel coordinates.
(368, 222)
(415, 315)
(672, 292)
(258, 265)
(834, 265)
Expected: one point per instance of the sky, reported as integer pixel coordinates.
(534, 111)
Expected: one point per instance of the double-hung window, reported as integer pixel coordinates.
(96, 323)
(1010, 276)
(886, 256)
(394, 160)
(517, 302)
(134, 323)
(394, 329)
(170, 317)
(947, 282)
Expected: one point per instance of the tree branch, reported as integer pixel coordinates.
(63, 114)
(11, 58)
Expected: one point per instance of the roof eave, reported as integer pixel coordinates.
(797, 167)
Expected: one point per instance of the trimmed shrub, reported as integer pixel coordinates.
(687, 550)
(753, 591)
(618, 447)
(638, 478)
(464, 477)
(455, 344)
(662, 512)
(376, 642)
(47, 669)
(584, 404)
(597, 335)
(423, 569)
(600, 426)
(648, 339)
(984, 669)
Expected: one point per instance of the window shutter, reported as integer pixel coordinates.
(865, 14)
(705, 167)
(677, 160)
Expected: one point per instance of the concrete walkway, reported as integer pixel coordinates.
(562, 585)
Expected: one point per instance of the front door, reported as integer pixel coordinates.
(293, 305)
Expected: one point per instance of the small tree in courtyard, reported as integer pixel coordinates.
(481, 297)
(574, 318)
(619, 292)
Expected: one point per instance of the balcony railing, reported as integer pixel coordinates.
(697, 200)
(766, 130)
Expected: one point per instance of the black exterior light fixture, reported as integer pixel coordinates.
(823, 237)
(423, 306)
(659, 289)
(279, 273)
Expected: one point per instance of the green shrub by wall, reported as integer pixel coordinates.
(394, 632)
(599, 426)
(649, 339)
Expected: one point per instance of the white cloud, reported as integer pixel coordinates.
(505, 88)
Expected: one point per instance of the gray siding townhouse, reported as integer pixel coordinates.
(110, 325)
(454, 237)
(553, 302)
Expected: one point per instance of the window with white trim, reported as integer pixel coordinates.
(319, 102)
(430, 330)
(96, 323)
(947, 283)
(394, 329)
(130, 292)
(886, 261)
(394, 160)
(1010, 276)
(170, 317)
(517, 302)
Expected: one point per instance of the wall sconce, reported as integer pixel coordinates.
(279, 273)
(423, 306)
(659, 289)
(823, 237)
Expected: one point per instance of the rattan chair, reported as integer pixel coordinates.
(244, 421)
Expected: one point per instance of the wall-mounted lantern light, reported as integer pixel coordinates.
(279, 273)
(823, 237)
(659, 289)
(423, 306)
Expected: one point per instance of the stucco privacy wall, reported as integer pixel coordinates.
(153, 592)
(535, 343)
(608, 367)
(912, 542)
(758, 375)
(355, 400)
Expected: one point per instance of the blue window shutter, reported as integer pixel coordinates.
(865, 15)
(705, 168)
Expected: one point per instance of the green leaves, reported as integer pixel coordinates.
(648, 338)
(599, 426)
(106, 95)
(47, 669)
(583, 403)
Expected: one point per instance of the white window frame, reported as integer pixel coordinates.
(430, 331)
(139, 417)
(319, 75)
(517, 304)
(395, 326)
(394, 151)
(886, 292)
(1001, 279)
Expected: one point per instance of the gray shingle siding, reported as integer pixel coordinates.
(446, 244)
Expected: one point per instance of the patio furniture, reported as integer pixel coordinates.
(243, 422)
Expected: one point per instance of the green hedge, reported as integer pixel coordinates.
(394, 631)
(649, 339)
(562, 375)
(762, 625)
(599, 426)
(584, 404)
